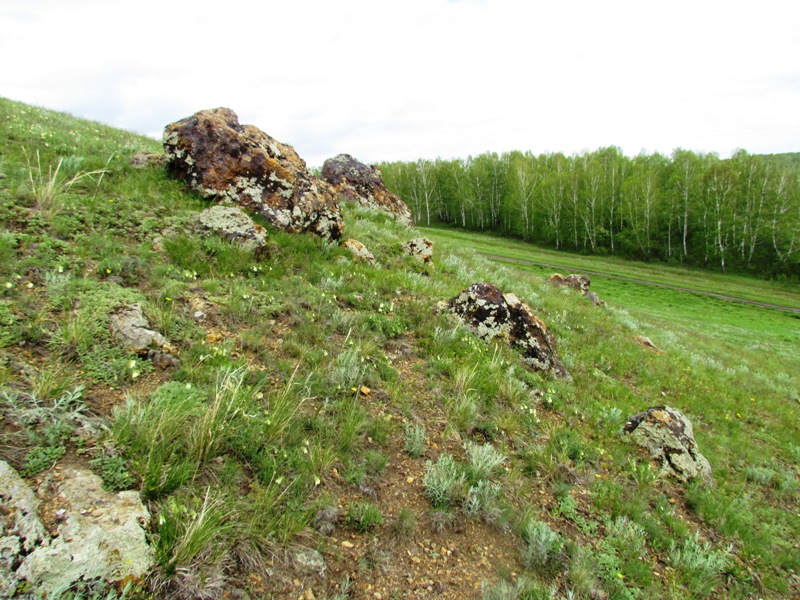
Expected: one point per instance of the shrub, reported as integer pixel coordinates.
(444, 482)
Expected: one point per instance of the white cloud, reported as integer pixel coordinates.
(385, 80)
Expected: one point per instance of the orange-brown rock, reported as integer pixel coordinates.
(220, 158)
(356, 182)
(576, 282)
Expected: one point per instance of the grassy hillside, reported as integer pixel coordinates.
(320, 403)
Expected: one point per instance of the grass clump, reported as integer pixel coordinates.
(363, 516)
(414, 440)
(444, 482)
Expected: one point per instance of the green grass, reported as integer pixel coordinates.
(261, 437)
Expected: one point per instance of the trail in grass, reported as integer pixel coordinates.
(645, 282)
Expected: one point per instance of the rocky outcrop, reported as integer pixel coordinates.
(220, 158)
(492, 314)
(100, 535)
(359, 250)
(668, 436)
(356, 182)
(236, 226)
(419, 248)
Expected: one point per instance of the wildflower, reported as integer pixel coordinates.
(167, 299)
(108, 271)
(30, 284)
(188, 386)
(131, 364)
(316, 481)
(9, 285)
(135, 374)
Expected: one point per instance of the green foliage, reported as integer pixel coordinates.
(363, 516)
(699, 563)
(542, 544)
(414, 440)
(114, 472)
(444, 482)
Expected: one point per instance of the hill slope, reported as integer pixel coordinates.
(319, 403)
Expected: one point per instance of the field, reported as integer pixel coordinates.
(320, 403)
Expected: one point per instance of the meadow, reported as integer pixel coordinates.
(322, 404)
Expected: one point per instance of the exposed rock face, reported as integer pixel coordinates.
(236, 226)
(576, 282)
(220, 158)
(420, 248)
(668, 436)
(130, 328)
(492, 314)
(357, 182)
(359, 250)
(100, 537)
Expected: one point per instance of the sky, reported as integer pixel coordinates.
(387, 80)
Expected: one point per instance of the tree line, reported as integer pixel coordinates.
(741, 213)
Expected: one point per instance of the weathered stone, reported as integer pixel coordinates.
(130, 328)
(419, 248)
(359, 250)
(356, 182)
(310, 562)
(576, 282)
(20, 514)
(668, 436)
(593, 298)
(220, 158)
(236, 226)
(101, 537)
(491, 314)
(142, 160)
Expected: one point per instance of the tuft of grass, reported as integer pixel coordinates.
(699, 564)
(542, 544)
(363, 516)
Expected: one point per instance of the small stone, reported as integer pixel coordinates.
(365, 391)
(346, 544)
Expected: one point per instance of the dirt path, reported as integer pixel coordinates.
(645, 282)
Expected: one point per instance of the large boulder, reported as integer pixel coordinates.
(492, 314)
(356, 182)
(220, 158)
(668, 436)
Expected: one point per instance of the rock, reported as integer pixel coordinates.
(220, 158)
(359, 250)
(668, 436)
(576, 282)
(491, 314)
(356, 182)
(130, 328)
(310, 562)
(646, 342)
(21, 531)
(142, 160)
(236, 226)
(20, 514)
(101, 537)
(419, 248)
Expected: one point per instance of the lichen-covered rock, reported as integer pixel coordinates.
(142, 160)
(576, 282)
(101, 537)
(21, 531)
(220, 158)
(419, 248)
(668, 436)
(132, 331)
(356, 182)
(491, 314)
(359, 250)
(236, 226)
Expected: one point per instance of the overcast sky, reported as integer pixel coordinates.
(408, 79)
